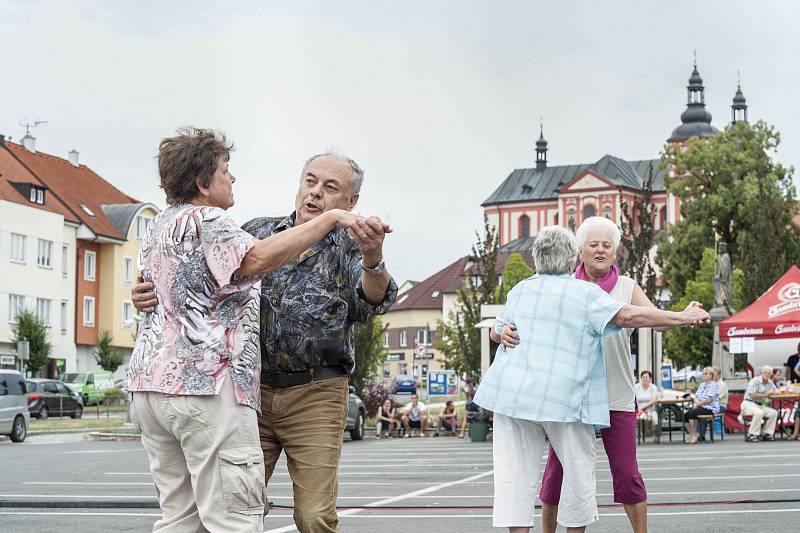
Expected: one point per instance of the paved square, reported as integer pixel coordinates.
(438, 484)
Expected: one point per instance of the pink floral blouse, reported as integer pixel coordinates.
(206, 324)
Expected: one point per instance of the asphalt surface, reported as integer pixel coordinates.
(442, 484)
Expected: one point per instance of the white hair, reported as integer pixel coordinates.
(356, 179)
(598, 224)
(767, 367)
(555, 251)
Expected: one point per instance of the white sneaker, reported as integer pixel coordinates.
(405, 436)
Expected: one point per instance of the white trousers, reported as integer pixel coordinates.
(518, 449)
(761, 414)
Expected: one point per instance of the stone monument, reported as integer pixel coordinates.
(723, 308)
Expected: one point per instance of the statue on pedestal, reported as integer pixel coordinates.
(722, 281)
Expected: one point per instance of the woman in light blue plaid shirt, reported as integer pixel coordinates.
(706, 402)
(553, 383)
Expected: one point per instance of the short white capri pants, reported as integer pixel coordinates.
(518, 449)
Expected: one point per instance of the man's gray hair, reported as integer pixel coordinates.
(767, 367)
(555, 251)
(356, 179)
(597, 224)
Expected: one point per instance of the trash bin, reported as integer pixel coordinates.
(477, 431)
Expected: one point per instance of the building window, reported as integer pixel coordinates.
(89, 266)
(589, 211)
(402, 369)
(43, 259)
(424, 337)
(607, 211)
(64, 260)
(64, 317)
(40, 196)
(127, 269)
(387, 372)
(524, 226)
(88, 311)
(403, 338)
(663, 217)
(127, 314)
(16, 304)
(43, 311)
(386, 339)
(18, 248)
(142, 223)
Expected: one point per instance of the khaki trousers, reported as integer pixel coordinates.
(307, 422)
(759, 414)
(205, 461)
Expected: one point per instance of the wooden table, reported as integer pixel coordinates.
(778, 400)
(681, 404)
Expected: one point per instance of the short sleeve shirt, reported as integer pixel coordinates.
(205, 326)
(309, 306)
(415, 413)
(792, 364)
(557, 372)
(757, 385)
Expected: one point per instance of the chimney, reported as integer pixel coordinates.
(2, 139)
(29, 142)
(74, 158)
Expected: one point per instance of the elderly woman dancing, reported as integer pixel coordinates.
(598, 239)
(553, 383)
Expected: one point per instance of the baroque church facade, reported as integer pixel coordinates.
(531, 198)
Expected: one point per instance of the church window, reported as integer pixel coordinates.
(524, 226)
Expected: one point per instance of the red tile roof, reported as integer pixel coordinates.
(421, 295)
(73, 186)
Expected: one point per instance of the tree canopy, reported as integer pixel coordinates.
(514, 271)
(369, 352)
(106, 356)
(29, 328)
(730, 185)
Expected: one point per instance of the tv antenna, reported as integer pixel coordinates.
(28, 125)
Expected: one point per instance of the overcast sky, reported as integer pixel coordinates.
(438, 101)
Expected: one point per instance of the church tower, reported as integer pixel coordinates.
(739, 107)
(695, 120)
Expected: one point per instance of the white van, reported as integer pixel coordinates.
(14, 416)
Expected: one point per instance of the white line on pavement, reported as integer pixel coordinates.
(401, 497)
(122, 450)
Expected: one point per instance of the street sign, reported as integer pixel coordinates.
(23, 350)
(420, 351)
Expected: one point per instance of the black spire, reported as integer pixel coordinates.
(739, 107)
(696, 120)
(541, 150)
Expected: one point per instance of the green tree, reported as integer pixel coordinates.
(29, 328)
(515, 270)
(693, 346)
(460, 340)
(730, 185)
(369, 352)
(106, 356)
(638, 237)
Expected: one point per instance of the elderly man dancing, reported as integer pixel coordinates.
(555, 383)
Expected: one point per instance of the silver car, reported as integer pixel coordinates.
(14, 416)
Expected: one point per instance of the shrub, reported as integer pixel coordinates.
(374, 396)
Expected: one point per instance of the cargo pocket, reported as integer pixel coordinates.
(243, 486)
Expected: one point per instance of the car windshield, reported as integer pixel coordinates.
(74, 378)
(31, 386)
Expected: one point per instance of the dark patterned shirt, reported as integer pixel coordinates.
(309, 306)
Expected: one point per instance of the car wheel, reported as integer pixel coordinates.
(85, 399)
(358, 432)
(78, 412)
(44, 413)
(19, 432)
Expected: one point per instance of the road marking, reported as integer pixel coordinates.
(408, 495)
(123, 450)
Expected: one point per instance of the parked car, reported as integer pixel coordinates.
(404, 384)
(690, 374)
(51, 397)
(356, 414)
(14, 416)
(91, 386)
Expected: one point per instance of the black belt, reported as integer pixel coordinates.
(282, 380)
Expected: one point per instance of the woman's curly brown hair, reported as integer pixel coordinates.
(192, 154)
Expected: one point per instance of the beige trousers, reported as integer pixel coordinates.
(205, 459)
(306, 422)
(759, 414)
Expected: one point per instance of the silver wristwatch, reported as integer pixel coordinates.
(376, 270)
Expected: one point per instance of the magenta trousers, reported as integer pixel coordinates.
(619, 441)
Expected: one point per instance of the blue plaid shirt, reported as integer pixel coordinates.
(557, 372)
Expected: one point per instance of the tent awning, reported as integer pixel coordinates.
(774, 315)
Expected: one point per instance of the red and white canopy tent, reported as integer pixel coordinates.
(774, 315)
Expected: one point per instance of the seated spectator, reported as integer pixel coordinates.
(469, 391)
(415, 416)
(723, 402)
(777, 377)
(386, 419)
(448, 416)
(646, 396)
(758, 389)
(706, 402)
